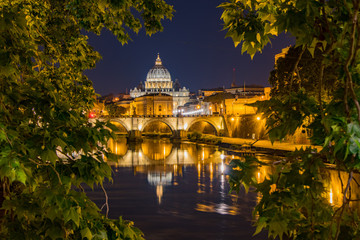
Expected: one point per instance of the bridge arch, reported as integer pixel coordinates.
(207, 120)
(118, 121)
(167, 123)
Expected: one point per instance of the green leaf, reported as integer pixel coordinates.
(260, 224)
(101, 235)
(73, 214)
(277, 227)
(86, 233)
(55, 232)
(258, 37)
(21, 175)
(59, 142)
(49, 156)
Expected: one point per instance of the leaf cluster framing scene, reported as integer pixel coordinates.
(49, 148)
(315, 87)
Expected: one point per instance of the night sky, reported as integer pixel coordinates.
(192, 47)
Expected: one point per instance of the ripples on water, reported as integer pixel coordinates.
(179, 192)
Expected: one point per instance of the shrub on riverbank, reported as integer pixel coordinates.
(202, 138)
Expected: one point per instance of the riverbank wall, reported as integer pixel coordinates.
(267, 145)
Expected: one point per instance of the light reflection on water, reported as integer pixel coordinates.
(181, 191)
(163, 162)
(177, 191)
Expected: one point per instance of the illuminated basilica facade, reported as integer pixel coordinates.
(158, 81)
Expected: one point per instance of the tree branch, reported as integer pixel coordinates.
(57, 173)
(321, 77)
(349, 81)
(347, 186)
(106, 201)
(295, 67)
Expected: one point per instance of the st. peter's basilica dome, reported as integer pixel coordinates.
(158, 81)
(158, 72)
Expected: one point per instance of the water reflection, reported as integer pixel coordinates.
(334, 182)
(184, 186)
(163, 163)
(177, 191)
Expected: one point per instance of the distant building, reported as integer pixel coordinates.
(238, 105)
(208, 92)
(125, 103)
(247, 90)
(159, 80)
(152, 104)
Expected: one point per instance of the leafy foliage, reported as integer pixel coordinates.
(306, 74)
(318, 94)
(115, 110)
(49, 148)
(294, 201)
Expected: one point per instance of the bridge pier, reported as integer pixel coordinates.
(222, 133)
(179, 134)
(134, 136)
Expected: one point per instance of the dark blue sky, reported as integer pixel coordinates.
(192, 47)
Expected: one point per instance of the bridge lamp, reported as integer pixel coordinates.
(198, 106)
(185, 126)
(258, 118)
(140, 127)
(232, 119)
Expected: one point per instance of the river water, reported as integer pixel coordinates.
(179, 191)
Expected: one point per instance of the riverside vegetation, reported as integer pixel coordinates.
(318, 90)
(49, 149)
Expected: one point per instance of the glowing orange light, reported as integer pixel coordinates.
(331, 197)
(92, 115)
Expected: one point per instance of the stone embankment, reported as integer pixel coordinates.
(267, 145)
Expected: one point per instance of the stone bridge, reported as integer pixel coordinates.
(179, 125)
